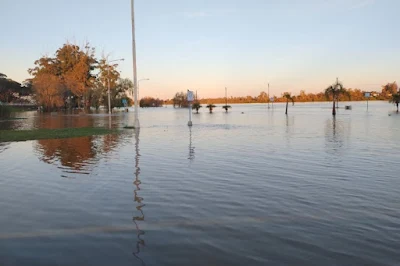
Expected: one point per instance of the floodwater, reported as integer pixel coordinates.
(248, 187)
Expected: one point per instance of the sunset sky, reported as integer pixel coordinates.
(206, 45)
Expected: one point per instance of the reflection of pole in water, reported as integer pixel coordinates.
(334, 126)
(140, 242)
(191, 148)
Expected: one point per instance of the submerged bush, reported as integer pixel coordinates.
(5, 111)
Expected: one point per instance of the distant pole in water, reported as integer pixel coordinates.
(269, 97)
(367, 95)
(190, 97)
(226, 96)
(337, 96)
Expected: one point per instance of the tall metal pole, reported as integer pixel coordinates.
(337, 94)
(109, 92)
(135, 90)
(190, 115)
(190, 100)
(269, 96)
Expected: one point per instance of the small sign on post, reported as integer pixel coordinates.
(190, 96)
(125, 103)
(190, 99)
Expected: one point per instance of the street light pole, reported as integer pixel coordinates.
(135, 91)
(109, 92)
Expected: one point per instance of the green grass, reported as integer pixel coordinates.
(12, 118)
(59, 133)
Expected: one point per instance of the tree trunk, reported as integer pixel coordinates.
(333, 108)
(397, 105)
(287, 103)
(79, 102)
(197, 110)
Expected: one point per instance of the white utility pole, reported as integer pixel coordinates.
(135, 91)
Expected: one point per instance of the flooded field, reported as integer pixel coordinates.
(248, 187)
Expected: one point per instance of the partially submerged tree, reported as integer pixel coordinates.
(211, 107)
(396, 100)
(226, 107)
(73, 68)
(288, 97)
(335, 91)
(196, 105)
(150, 102)
(180, 100)
(49, 91)
(389, 89)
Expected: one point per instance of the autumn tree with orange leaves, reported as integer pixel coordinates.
(65, 79)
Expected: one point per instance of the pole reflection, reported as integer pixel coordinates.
(289, 129)
(334, 136)
(140, 243)
(191, 148)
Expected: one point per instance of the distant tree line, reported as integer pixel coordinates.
(179, 100)
(75, 78)
(151, 102)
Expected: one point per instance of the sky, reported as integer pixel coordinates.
(207, 45)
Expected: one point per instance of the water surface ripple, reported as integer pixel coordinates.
(250, 187)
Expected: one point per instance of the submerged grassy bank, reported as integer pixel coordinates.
(59, 133)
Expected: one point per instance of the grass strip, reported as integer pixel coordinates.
(59, 133)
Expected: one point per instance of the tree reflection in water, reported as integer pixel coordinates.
(139, 201)
(76, 155)
(335, 132)
(73, 155)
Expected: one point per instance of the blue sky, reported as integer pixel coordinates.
(207, 45)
